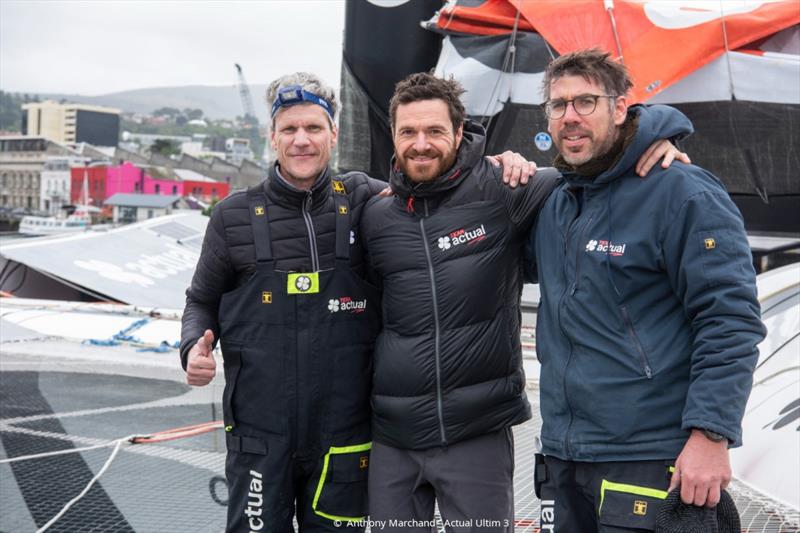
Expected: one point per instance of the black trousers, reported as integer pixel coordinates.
(269, 486)
(611, 497)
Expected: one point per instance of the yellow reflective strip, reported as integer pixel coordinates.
(671, 469)
(350, 449)
(333, 451)
(302, 283)
(322, 477)
(628, 489)
(340, 518)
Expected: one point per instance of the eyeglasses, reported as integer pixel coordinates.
(584, 104)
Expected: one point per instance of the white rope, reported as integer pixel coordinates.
(727, 52)
(59, 452)
(88, 487)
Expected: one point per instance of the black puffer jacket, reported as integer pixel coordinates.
(227, 259)
(448, 363)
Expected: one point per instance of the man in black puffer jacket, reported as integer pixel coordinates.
(448, 381)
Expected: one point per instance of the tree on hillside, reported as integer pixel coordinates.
(167, 112)
(164, 147)
(193, 114)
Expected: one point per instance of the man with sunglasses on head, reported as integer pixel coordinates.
(280, 282)
(648, 322)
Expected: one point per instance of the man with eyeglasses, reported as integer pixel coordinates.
(648, 322)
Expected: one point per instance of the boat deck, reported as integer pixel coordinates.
(58, 395)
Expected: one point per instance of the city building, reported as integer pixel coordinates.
(88, 185)
(56, 182)
(146, 140)
(22, 160)
(103, 182)
(201, 187)
(71, 123)
(237, 150)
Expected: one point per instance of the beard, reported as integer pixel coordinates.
(440, 163)
(594, 151)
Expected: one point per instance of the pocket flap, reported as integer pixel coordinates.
(629, 506)
(349, 467)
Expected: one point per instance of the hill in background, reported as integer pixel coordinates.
(216, 102)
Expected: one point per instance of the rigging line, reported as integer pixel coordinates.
(727, 47)
(510, 57)
(609, 4)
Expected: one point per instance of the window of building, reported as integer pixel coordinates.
(127, 214)
(158, 190)
(174, 189)
(136, 187)
(150, 213)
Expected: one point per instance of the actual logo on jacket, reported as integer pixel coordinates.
(461, 236)
(346, 304)
(604, 247)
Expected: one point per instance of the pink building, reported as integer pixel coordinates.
(127, 178)
(162, 186)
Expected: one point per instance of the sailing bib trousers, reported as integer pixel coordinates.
(297, 349)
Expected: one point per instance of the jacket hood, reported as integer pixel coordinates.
(654, 123)
(469, 154)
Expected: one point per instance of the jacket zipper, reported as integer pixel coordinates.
(312, 236)
(561, 326)
(648, 371)
(436, 328)
(578, 257)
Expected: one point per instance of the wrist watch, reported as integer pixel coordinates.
(712, 435)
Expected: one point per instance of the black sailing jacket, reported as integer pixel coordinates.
(303, 238)
(448, 363)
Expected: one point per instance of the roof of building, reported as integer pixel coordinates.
(142, 200)
(190, 175)
(71, 105)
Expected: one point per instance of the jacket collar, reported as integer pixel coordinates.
(282, 192)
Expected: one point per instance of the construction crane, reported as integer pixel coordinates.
(250, 119)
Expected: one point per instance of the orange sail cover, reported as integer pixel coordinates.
(659, 41)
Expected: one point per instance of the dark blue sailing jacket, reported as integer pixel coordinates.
(649, 320)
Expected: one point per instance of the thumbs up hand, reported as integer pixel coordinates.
(201, 365)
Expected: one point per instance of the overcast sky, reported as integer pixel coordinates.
(103, 46)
